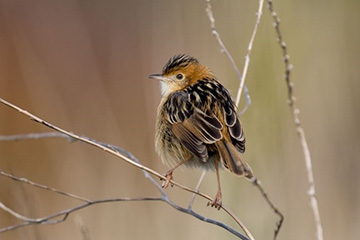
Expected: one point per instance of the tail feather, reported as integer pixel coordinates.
(231, 159)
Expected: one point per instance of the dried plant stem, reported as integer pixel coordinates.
(89, 141)
(247, 57)
(20, 137)
(227, 53)
(15, 214)
(197, 188)
(257, 183)
(300, 131)
(24, 180)
(220, 42)
(66, 212)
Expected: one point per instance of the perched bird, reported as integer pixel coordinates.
(197, 123)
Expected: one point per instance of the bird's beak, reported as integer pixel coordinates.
(158, 76)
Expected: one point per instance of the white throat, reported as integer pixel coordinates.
(165, 90)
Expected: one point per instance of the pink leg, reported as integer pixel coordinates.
(217, 200)
(169, 174)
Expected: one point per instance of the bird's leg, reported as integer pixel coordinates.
(217, 200)
(169, 173)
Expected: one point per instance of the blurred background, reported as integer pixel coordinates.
(83, 66)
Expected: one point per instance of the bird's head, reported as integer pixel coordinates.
(179, 72)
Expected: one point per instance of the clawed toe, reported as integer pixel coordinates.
(169, 177)
(216, 202)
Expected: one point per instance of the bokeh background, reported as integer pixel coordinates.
(83, 65)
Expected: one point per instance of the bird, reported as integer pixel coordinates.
(197, 124)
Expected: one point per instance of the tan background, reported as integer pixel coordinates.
(83, 66)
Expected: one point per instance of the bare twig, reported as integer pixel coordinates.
(227, 53)
(24, 180)
(128, 157)
(300, 131)
(19, 137)
(15, 214)
(66, 212)
(95, 144)
(197, 188)
(189, 210)
(257, 183)
(247, 57)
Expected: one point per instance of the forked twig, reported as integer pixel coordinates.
(257, 183)
(248, 52)
(228, 55)
(129, 158)
(300, 131)
(66, 212)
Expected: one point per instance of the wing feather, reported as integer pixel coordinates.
(208, 126)
(235, 129)
(190, 141)
(191, 126)
(195, 122)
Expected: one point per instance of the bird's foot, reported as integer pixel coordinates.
(169, 177)
(216, 202)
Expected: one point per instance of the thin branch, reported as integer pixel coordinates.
(257, 183)
(227, 53)
(19, 137)
(300, 131)
(95, 144)
(66, 212)
(197, 188)
(24, 180)
(15, 214)
(129, 159)
(247, 57)
(191, 212)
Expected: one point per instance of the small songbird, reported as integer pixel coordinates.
(197, 123)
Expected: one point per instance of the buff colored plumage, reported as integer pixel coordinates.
(197, 124)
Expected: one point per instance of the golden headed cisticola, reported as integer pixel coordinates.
(197, 123)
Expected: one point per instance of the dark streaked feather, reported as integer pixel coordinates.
(237, 136)
(196, 124)
(231, 159)
(210, 120)
(178, 107)
(230, 117)
(178, 62)
(191, 126)
(208, 126)
(190, 141)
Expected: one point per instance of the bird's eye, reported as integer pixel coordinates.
(179, 76)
